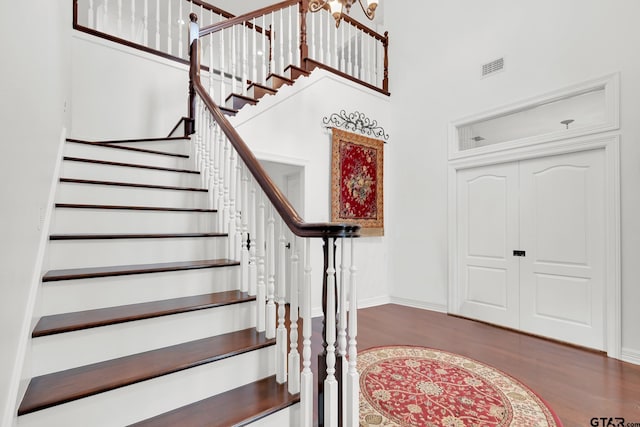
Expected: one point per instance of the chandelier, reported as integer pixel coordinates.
(336, 6)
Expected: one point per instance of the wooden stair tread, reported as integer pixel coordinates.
(108, 236)
(122, 270)
(129, 184)
(65, 386)
(239, 95)
(167, 138)
(67, 322)
(239, 406)
(228, 111)
(134, 208)
(281, 80)
(122, 147)
(129, 165)
(295, 71)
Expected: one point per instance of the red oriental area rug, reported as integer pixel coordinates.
(417, 386)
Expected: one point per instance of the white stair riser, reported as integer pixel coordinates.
(287, 417)
(87, 294)
(149, 398)
(178, 146)
(73, 220)
(72, 349)
(101, 172)
(98, 152)
(130, 196)
(64, 254)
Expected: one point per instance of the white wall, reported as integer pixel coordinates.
(34, 83)
(119, 92)
(435, 79)
(288, 128)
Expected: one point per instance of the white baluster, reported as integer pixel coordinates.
(211, 66)
(205, 119)
(290, 46)
(349, 57)
(313, 34)
(239, 210)
(335, 58)
(274, 42)
(244, 254)
(226, 174)
(105, 16)
(330, 382)
(281, 44)
(219, 159)
(231, 227)
(297, 37)
(306, 377)
(245, 58)
(215, 173)
(294, 356)
(265, 54)
(352, 380)
(321, 38)
(254, 54)
(222, 65)
(270, 331)
(133, 21)
(281, 335)
(119, 18)
(180, 29)
(253, 273)
(343, 66)
(234, 59)
(260, 249)
(169, 28)
(157, 24)
(145, 23)
(212, 179)
(90, 20)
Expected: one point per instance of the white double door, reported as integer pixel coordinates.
(552, 210)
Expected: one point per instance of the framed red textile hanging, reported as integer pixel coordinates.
(357, 181)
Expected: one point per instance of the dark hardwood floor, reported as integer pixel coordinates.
(578, 384)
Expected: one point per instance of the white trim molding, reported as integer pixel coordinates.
(407, 302)
(609, 83)
(630, 356)
(610, 143)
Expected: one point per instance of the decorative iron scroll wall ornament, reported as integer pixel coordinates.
(355, 121)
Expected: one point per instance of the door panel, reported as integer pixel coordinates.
(487, 233)
(562, 231)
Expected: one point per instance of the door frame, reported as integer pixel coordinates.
(610, 143)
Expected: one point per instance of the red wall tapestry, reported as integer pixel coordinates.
(356, 181)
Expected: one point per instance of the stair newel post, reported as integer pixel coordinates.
(306, 377)
(271, 276)
(245, 212)
(260, 248)
(281, 332)
(294, 356)
(194, 35)
(331, 390)
(385, 78)
(353, 378)
(252, 240)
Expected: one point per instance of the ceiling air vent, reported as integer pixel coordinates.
(492, 67)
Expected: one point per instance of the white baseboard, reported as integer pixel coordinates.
(441, 308)
(375, 301)
(630, 355)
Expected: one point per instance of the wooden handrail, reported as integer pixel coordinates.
(246, 17)
(279, 201)
(212, 8)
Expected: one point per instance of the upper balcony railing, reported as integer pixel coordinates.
(246, 49)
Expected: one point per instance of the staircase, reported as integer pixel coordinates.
(142, 320)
